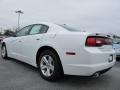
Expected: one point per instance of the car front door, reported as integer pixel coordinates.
(16, 43)
(31, 43)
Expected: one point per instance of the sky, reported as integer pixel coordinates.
(87, 15)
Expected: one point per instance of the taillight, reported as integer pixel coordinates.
(97, 41)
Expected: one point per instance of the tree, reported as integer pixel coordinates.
(9, 32)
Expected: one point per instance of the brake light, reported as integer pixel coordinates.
(97, 41)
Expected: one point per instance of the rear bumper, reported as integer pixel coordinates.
(90, 63)
(88, 70)
(100, 68)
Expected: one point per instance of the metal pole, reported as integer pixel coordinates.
(18, 21)
(19, 12)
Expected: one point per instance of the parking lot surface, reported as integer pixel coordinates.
(15, 75)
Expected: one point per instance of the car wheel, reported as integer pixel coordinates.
(4, 51)
(49, 66)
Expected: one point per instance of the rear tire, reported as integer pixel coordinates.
(49, 66)
(4, 51)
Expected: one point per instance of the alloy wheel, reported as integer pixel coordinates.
(47, 65)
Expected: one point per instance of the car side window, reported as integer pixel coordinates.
(44, 29)
(35, 29)
(24, 31)
(38, 29)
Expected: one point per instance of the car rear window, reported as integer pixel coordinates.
(70, 28)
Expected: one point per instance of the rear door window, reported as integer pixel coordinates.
(35, 29)
(38, 29)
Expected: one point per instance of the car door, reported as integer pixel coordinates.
(17, 42)
(31, 43)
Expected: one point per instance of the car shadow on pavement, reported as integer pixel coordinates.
(23, 64)
(118, 59)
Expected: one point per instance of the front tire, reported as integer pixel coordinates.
(49, 66)
(4, 51)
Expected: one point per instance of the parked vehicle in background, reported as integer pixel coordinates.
(116, 46)
(1, 38)
(59, 49)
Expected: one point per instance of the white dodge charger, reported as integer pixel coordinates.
(58, 49)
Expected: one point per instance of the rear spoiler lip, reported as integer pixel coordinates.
(101, 35)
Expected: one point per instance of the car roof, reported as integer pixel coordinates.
(52, 27)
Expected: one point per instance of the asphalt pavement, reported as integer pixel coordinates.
(15, 75)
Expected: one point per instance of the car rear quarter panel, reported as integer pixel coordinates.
(71, 42)
(84, 56)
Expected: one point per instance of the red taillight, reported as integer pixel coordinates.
(95, 41)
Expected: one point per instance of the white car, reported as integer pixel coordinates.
(57, 50)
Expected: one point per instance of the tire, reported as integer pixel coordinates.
(4, 51)
(49, 66)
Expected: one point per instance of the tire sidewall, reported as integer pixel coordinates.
(5, 51)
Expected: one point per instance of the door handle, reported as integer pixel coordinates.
(37, 39)
(19, 41)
